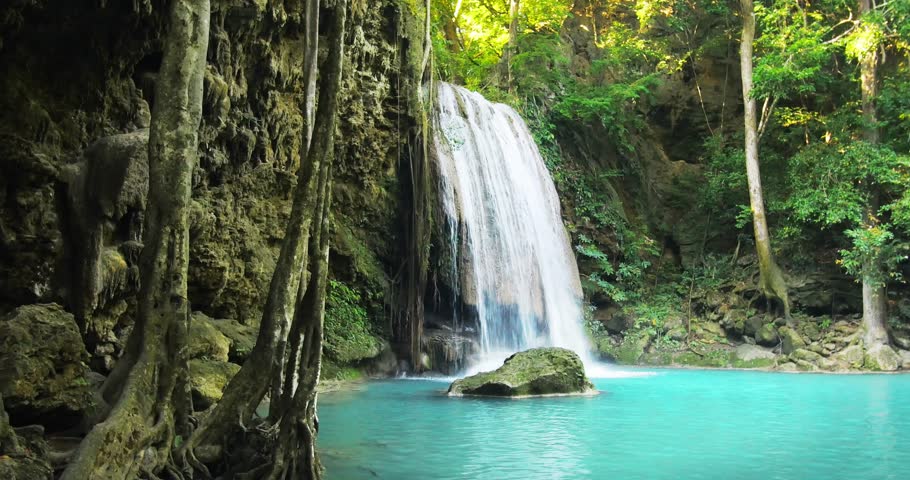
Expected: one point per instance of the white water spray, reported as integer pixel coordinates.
(516, 263)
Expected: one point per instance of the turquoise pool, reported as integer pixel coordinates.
(677, 424)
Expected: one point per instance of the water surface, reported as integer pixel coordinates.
(678, 424)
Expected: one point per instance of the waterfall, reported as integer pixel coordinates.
(515, 261)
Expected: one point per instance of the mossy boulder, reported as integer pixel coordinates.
(627, 352)
(43, 375)
(752, 325)
(749, 353)
(767, 335)
(850, 357)
(206, 341)
(535, 372)
(208, 379)
(242, 338)
(790, 340)
(881, 358)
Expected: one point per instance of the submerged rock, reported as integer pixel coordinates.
(535, 372)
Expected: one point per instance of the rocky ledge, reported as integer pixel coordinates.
(531, 373)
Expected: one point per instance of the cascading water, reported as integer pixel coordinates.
(515, 260)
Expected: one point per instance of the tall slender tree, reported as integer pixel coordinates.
(771, 279)
(874, 301)
(305, 245)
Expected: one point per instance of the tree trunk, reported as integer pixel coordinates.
(418, 234)
(512, 47)
(771, 279)
(875, 308)
(146, 408)
(311, 54)
(246, 390)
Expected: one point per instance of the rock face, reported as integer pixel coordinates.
(42, 370)
(535, 372)
(447, 350)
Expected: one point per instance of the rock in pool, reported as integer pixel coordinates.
(531, 373)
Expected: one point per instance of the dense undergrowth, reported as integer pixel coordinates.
(617, 71)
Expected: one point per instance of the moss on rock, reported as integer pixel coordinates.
(206, 341)
(535, 372)
(208, 379)
(43, 377)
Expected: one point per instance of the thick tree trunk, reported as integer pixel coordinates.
(144, 414)
(875, 308)
(771, 279)
(246, 390)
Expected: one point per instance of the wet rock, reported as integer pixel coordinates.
(535, 372)
(882, 358)
(208, 379)
(43, 375)
(790, 340)
(447, 351)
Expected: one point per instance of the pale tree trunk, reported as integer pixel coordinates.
(154, 396)
(264, 367)
(875, 308)
(418, 234)
(512, 47)
(311, 53)
(771, 279)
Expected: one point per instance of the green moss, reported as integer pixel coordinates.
(333, 371)
(348, 336)
(717, 358)
(754, 363)
(539, 371)
(363, 260)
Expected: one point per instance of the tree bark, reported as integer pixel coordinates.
(145, 413)
(771, 280)
(246, 390)
(512, 47)
(311, 53)
(875, 307)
